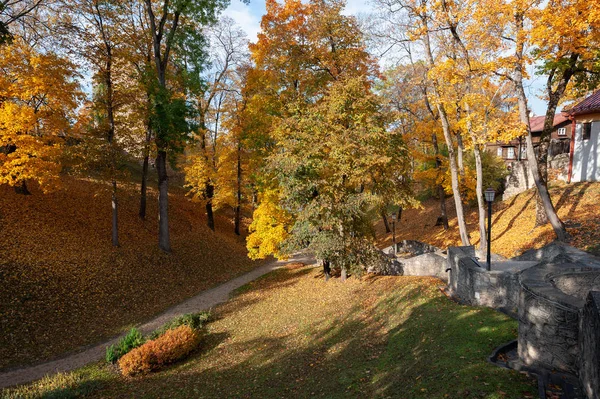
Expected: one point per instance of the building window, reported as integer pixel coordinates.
(562, 131)
(499, 152)
(511, 153)
(587, 130)
(523, 152)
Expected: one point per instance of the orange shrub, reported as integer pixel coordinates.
(169, 347)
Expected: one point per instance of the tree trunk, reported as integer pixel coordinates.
(399, 216)
(144, 188)
(110, 138)
(557, 224)
(554, 96)
(22, 189)
(326, 269)
(480, 200)
(210, 193)
(238, 207)
(115, 215)
(385, 222)
(440, 188)
(460, 150)
(462, 226)
(164, 241)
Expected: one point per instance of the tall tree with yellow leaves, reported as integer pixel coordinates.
(39, 95)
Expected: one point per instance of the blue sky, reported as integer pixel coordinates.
(248, 17)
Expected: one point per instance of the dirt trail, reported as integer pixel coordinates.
(203, 301)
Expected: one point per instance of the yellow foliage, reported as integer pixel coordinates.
(38, 97)
(269, 228)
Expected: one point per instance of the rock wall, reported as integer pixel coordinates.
(429, 264)
(473, 284)
(548, 321)
(589, 346)
(520, 178)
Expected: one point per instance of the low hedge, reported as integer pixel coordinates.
(171, 346)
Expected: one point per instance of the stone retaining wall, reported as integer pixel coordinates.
(470, 282)
(589, 346)
(548, 320)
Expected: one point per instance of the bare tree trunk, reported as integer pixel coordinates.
(462, 226)
(399, 213)
(110, 138)
(460, 149)
(144, 188)
(557, 224)
(554, 96)
(22, 189)
(480, 200)
(385, 221)
(115, 215)
(164, 241)
(326, 269)
(440, 188)
(238, 207)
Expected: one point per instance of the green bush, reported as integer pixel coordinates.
(194, 320)
(132, 340)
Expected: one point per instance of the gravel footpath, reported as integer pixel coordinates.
(203, 301)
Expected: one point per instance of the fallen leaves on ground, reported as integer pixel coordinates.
(513, 221)
(61, 277)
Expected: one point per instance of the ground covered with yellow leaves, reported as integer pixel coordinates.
(64, 285)
(291, 334)
(513, 221)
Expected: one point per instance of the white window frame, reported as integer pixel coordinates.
(510, 153)
(499, 152)
(562, 131)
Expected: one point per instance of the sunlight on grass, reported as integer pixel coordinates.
(292, 334)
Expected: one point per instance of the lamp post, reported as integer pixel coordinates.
(394, 231)
(489, 197)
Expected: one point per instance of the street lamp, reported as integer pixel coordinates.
(394, 231)
(489, 197)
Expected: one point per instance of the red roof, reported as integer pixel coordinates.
(536, 123)
(590, 104)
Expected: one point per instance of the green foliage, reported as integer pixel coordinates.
(337, 163)
(132, 340)
(494, 170)
(196, 321)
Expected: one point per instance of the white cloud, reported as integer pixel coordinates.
(246, 16)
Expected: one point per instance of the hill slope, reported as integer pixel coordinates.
(61, 277)
(513, 221)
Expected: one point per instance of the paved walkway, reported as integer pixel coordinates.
(203, 301)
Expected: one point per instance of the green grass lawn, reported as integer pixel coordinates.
(291, 334)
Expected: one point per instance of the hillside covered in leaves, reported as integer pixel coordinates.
(513, 221)
(61, 277)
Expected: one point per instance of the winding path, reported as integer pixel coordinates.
(203, 301)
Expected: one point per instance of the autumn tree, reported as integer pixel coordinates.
(174, 25)
(418, 22)
(569, 54)
(217, 89)
(39, 94)
(335, 160)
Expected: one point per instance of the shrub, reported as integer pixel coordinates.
(132, 340)
(169, 347)
(194, 320)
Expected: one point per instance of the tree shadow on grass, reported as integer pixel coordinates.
(417, 344)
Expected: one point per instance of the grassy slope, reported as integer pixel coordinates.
(513, 221)
(291, 334)
(60, 276)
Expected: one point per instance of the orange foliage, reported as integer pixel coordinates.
(513, 221)
(168, 348)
